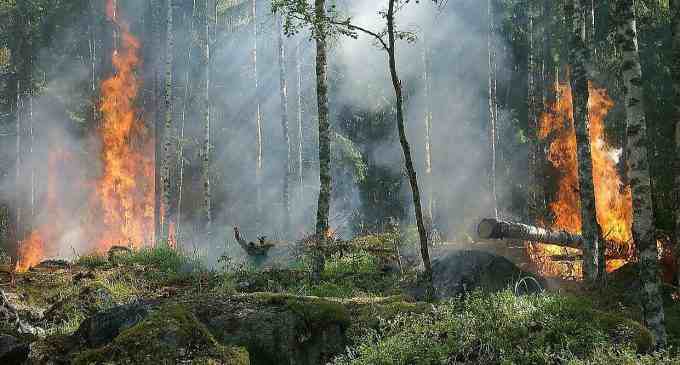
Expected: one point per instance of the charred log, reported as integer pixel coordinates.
(491, 228)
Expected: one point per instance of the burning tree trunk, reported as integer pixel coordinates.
(579, 56)
(324, 201)
(675, 72)
(638, 171)
(283, 84)
(168, 128)
(492, 228)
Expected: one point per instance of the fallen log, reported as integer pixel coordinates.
(492, 228)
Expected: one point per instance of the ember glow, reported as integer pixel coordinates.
(121, 206)
(612, 199)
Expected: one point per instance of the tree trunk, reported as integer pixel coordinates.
(258, 125)
(579, 56)
(675, 72)
(427, 81)
(492, 107)
(396, 83)
(492, 228)
(637, 157)
(180, 140)
(204, 108)
(283, 85)
(300, 112)
(156, 109)
(168, 128)
(324, 201)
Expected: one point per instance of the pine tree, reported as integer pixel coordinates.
(324, 201)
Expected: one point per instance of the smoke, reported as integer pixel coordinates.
(360, 82)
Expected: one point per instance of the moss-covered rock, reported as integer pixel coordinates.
(170, 335)
(92, 298)
(276, 328)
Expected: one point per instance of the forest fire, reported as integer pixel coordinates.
(612, 198)
(121, 205)
(125, 191)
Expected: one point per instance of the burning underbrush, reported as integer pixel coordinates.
(612, 197)
(119, 209)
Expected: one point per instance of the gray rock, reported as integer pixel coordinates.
(12, 351)
(103, 327)
(459, 272)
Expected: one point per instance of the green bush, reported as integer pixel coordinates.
(92, 261)
(501, 329)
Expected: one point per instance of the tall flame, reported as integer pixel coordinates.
(122, 203)
(612, 198)
(125, 191)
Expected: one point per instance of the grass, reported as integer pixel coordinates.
(503, 329)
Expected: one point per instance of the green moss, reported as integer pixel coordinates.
(319, 312)
(169, 335)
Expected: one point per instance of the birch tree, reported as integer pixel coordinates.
(579, 58)
(283, 87)
(168, 128)
(258, 121)
(493, 115)
(203, 25)
(639, 179)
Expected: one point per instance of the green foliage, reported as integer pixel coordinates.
(502, 328)
(162, 258)
(92, 261)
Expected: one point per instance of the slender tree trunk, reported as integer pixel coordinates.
(537, 203)
(168, 128)
(283, 85)
(300, 112)
(258, 124)
(185, 104)
(675, 72)
(637, 157)
(324, 202)
(204, 107)
(579, 56)
(156, 109)
(492, 107)
(396, 83)
(427, 81)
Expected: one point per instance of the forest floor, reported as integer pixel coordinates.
(157, 306)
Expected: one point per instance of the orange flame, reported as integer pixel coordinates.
(122, 204)
(125, 191)
(612, 199)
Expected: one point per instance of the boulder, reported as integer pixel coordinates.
(459, 272)
(12, 351)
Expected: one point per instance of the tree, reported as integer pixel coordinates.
(579, 58)
(675, 71)
(637, 157)
(258, 123)
(283, 86)
(493, 108)
(203, 90)
(323, 24)
(168, 128)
